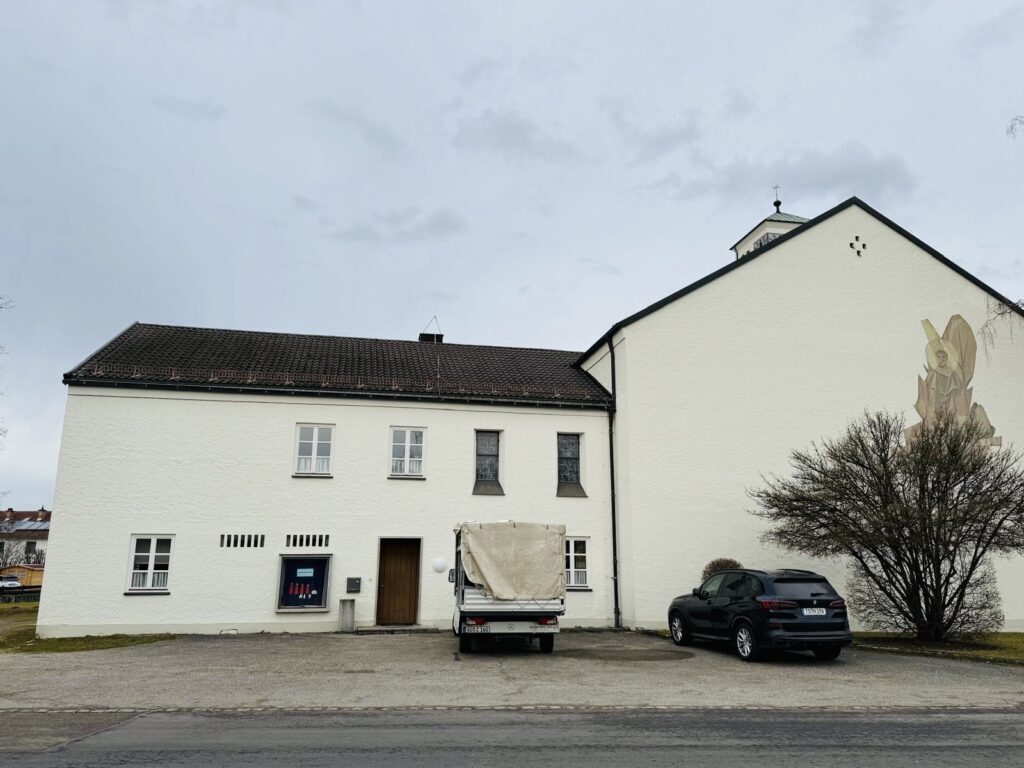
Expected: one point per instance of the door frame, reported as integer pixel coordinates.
(419, 579)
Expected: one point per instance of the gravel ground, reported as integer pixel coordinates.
(587, 669)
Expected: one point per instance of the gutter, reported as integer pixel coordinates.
(611, 474)
(341, 393)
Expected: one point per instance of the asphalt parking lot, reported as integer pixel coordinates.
(587, 669)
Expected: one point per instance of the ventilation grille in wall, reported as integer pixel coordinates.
(307, 540)
(242, 539)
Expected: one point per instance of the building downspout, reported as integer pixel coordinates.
(611, 472)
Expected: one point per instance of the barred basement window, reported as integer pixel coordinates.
(307, 540)
(242, 540)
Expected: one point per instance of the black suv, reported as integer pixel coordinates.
(762, 610)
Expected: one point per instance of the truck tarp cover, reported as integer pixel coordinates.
(515, 561)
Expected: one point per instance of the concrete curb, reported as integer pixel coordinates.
(502, 708)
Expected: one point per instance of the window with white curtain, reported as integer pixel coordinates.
(313, 454)
(151, 563)
(407, 451)
(576, 562)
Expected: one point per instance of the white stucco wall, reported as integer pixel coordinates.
(720, 385)
(201, 465)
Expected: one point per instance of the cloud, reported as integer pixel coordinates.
(654, 143)
(511, 134)
(480, 70)
(738, 105)
(378, 137)
(597, 265)
(443, 296)
(199, 111)
(1002, 29)
(881, 25)
(851, 168)
(305, 204)
(406, 225)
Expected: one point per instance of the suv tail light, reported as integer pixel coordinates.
(547, 620)
(773, 604)
(841, 604)
(476, 620)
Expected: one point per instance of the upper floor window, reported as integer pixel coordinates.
(313, 454)
(569, 483)
(407, 452)
(487, 447)
(151, 563)
(576, 563)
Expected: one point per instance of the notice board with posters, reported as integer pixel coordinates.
(303, 583)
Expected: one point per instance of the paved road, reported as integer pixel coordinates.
(590, 669)
(594, 739)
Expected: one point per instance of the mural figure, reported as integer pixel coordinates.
(949, 365)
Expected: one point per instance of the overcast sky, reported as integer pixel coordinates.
(528, 172)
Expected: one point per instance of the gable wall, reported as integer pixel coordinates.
(721, 384)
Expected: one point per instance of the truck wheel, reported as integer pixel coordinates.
(547, 643)
(465, 644)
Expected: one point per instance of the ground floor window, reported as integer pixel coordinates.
(151, 563)
(576, 563)
(303, 583)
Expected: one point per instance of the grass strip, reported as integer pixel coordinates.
(18, 635)
(999, 648)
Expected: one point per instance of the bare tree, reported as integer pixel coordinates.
(920, 519)
(12, 552)
(719, 564)
(1015, 126)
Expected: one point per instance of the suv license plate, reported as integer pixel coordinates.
(471, 629)
(814, 611)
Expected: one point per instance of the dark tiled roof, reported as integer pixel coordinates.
(161, 355)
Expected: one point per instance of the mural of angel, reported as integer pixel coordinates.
(949, 367)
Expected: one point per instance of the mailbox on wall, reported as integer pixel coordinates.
(353, 584)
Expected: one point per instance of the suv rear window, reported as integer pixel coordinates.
(803, 588)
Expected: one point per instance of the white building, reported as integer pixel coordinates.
(219, 480)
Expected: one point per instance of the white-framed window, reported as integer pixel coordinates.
(407, 444)
(313, 449)
(576, 562)
(151, 562)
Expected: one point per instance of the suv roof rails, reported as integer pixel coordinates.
(795, 570)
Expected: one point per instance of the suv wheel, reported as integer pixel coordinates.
(678, 629)
(828, 653)
(745, 642)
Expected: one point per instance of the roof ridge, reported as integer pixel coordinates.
(327, 336)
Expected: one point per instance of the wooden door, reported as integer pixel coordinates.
(398, 581)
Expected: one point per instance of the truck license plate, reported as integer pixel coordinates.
(814, 611)
(469, 630)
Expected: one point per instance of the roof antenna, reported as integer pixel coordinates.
(777, 203)
(433, 322)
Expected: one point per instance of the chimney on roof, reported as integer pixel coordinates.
(432, 338)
